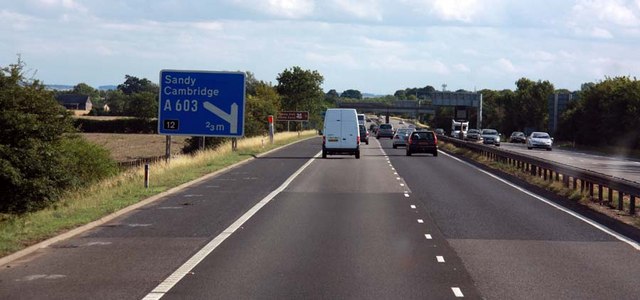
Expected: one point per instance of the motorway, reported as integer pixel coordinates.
(617, 165)
(291, 225)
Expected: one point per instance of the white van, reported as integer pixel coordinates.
(341, 134)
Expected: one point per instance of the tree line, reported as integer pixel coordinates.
(602, 114)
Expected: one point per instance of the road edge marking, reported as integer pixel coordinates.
(192, 262)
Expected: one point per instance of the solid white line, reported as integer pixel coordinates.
(457, 292)
(413, 206)
(420, 221)
(440, 259)
(178, 274)
(428, 236)
(545, 200)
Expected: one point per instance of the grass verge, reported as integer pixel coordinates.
(554, 186)
(83, 206)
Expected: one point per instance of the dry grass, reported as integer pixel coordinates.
(128, 147)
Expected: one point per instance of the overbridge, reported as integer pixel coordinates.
(462, 101)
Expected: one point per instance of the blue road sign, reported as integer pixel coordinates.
(201, 103)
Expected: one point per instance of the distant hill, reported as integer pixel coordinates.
(107, 87)
(59, 87)
(369, 95)
(64, 87)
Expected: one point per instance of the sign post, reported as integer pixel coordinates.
(201, 103)
(271, 129)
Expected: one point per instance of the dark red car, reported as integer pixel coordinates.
(422, 141)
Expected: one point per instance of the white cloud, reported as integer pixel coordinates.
(362, 9)
(16, 20)
(342, 59)
(601, 33)
(506, 65)
(616, 12)
(459, 10)
(294, 9)
(462, 68)
(66, 4)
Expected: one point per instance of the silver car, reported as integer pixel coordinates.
(490, 136)
(401, 137)
(474, 135)
(539, 140)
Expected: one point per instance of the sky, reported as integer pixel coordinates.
(373, 46)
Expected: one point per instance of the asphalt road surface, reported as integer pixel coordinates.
(386, 226)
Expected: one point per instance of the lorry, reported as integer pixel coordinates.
(459, 129)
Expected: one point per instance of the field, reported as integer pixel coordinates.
(129, 147)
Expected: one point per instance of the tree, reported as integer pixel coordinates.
(353, 94)
(34, 139)
(301, 91)
(263, 102)
(332, 96)
(117, 102)
(143, 105)
(133, 85)
(527, 107)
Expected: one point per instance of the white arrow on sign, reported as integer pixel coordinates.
(231, 117)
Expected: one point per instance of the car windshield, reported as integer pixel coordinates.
(404, 131)
(541, 135)
(422, 136)
(517, 134)
(473, 131)
(490, 132)
(385, 126)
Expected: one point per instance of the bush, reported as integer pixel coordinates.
(192, 144)
(86, 163)
(39, 160)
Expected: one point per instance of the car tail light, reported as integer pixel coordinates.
(435, 139)
(358, 140)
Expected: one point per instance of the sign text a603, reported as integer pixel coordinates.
(185, 105)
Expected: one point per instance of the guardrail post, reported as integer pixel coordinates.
(610, 196)
(632, 205)
(590, 189)
(620, 200)
(565, 180)
(544, 174)
(582, 185)
(600, 192)
(575, 183)
(533, 170)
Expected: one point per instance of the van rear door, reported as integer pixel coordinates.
(349, 130)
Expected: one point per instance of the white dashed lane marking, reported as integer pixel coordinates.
(440, 259)
(457, 292)
(428, 236)
(420, 221)
(413, 207)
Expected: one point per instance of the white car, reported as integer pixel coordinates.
(539, 140)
